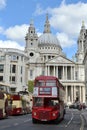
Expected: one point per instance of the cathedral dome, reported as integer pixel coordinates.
(48, 38)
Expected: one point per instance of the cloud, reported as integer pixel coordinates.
(65, 40)
(2, 4)
(68, 17)
(10, 44)
(1, 30)
(39, 10)
(17, 32)
(15, 36)
(67, 20)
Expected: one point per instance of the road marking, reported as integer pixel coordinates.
(16, 124)
(28, 120)
(69, 121)
(82, 123)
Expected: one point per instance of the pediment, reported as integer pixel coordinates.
(60, 60)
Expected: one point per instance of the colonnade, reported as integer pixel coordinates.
(67, 74)
(62, 72)
(74, 91)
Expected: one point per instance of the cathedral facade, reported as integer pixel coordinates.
(44, 56)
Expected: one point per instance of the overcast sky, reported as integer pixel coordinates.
(65, 18)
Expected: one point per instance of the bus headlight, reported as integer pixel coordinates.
(34, 113)
(54, 114)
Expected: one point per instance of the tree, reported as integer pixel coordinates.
(30, 85)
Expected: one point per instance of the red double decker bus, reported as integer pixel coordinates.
(48, 99)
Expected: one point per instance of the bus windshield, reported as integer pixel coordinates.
(5, 88)
(38, 102)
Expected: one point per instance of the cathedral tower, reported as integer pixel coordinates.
(31, 40)
(80, 47)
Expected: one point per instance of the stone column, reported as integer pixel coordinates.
(74, 72)
(83, 92)
(54, 71)
(72, 94)
(63, 73)
(71, 72)
(48, 70)
(80, 93)
(66, 72)
(66, 93)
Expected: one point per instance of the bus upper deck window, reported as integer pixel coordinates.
(40, 83)
(51, 83)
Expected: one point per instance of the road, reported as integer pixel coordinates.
(72, 121)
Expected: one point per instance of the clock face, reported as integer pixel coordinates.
(31, 54)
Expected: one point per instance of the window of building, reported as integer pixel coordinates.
(49, 57)
(13, 89)
(10, 78)
(21, 79)
(13, 68)
(14, 57)
(10, 68)
(76, 75)
(31, 54)
(13, 78)
(21, 69)
(1, 78)
(2, 57)
(60, 72)
(41, 58)
(43, 73)
(31, 43)
(17, 57)
(1, 68)
(31, 73)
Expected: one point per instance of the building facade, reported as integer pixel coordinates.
(13, 68)
(44, 56)
(85, 61)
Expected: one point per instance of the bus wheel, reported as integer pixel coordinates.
(34, 120)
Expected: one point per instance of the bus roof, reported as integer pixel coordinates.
(49, 78)
(46, 78)
(4, 84)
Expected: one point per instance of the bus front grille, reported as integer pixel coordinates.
(44, 115)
